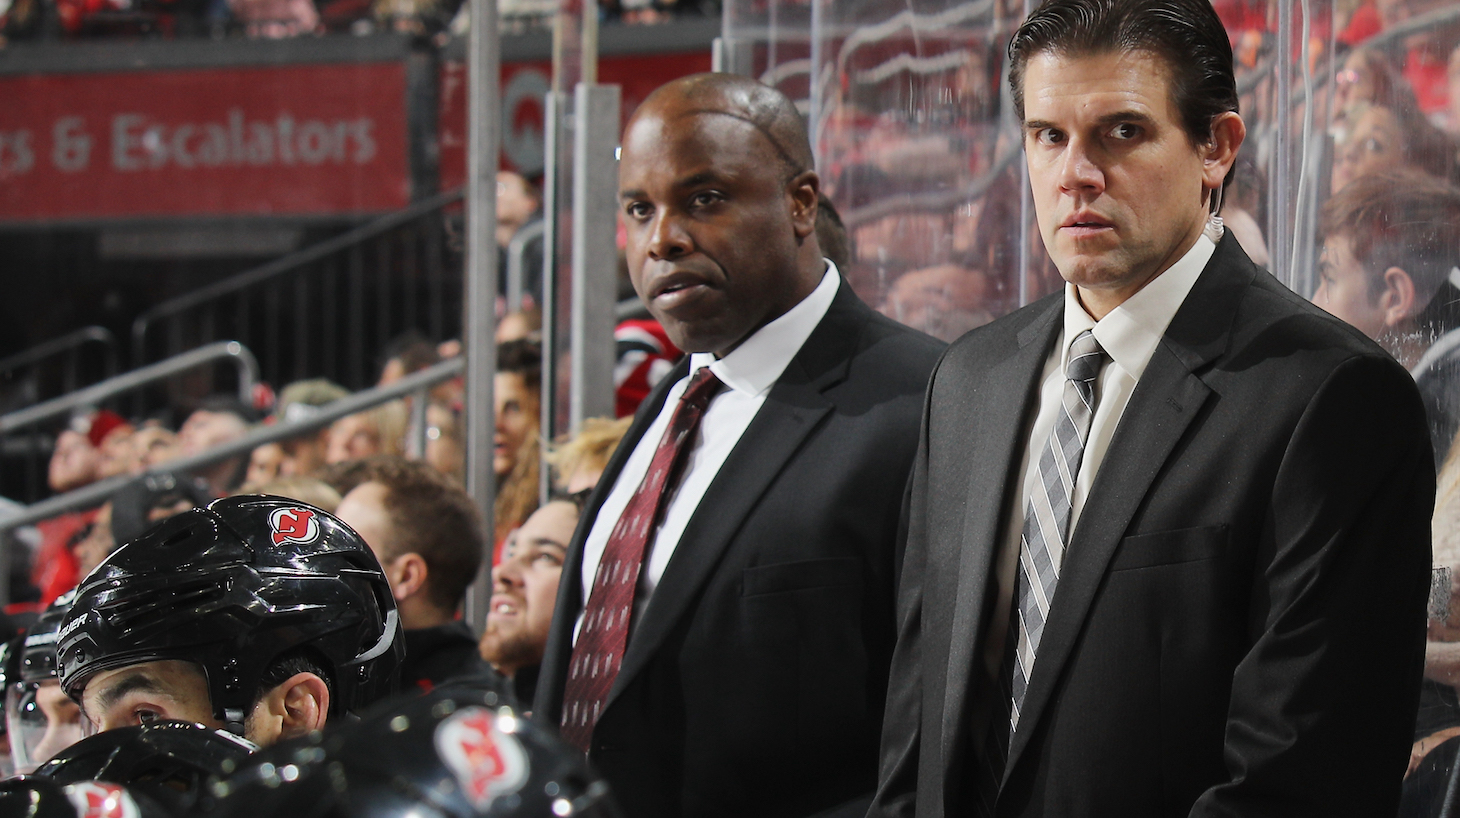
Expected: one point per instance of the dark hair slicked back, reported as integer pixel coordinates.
(1186, 34)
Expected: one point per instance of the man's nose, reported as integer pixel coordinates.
(504, 574)
(667, 237)
(1079, 170)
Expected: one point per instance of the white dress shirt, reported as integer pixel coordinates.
(1129, 334)
(748, 372)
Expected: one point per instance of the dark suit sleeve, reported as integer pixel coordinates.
(1323, 703)
(902, 720)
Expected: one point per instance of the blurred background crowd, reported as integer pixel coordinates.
(1348, 189)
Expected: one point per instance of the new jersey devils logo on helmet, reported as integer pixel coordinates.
(486, 761)
(297, 525)
(97, 799)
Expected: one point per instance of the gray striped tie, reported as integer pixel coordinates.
(1042, 549)
(1047, 514)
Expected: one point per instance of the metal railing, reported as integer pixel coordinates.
(90, 496)
(231, 351)
(66, 343)
(70, 346)
(326, 310)
(517, 262)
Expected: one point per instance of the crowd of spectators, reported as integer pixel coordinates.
(406, 499)
(26, 20)
(409, 507)
(101, 444)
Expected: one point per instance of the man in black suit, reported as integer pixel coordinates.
(751, 676)
(1168, 529)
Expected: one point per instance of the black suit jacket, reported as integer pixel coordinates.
(1239, 623)
(754, 684)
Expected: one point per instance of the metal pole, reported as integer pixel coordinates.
(552, 137)
(595, 264)
(416, 443)
(484, 79)
(1280, 217)
(588, 26)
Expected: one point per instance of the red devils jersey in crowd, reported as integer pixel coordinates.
(645, 355)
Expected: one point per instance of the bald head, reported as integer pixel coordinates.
(762, 107)
(719, 202)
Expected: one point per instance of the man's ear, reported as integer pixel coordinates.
(297, 706)
(1398, 300)
(804, 189)
(1228, 132)
(407, 575)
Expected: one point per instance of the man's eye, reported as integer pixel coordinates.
(1048, 136)
(147, 716)
(704, 199)
(637, 210)
(550, 559)
(1125, 131)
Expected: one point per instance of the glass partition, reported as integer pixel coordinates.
(1344, 190)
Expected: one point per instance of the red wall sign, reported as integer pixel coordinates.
(523, 87)
(288, 140)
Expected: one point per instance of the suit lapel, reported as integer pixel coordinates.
(1166, 400)
(795, 406)
(1000, 436)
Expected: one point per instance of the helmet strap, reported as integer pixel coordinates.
(233, 721)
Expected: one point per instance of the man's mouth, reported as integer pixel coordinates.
(505, 606)
(1085, 221)
(676, 287)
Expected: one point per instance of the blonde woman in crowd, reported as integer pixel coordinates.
(380, 430)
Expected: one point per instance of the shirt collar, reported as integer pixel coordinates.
(754, 366)
(1130, 333)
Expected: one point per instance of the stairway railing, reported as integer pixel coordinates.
(326, 310)
(231, 351)
(69, 345)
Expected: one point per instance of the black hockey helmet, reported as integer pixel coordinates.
(172, 762)
(452, 753)
(39, 722)
(38, 658)
(232, 587)
(31, 797)
(10, 656)
(9, 671)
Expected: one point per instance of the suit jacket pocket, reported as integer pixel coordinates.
(799, 576)
(1170, 547)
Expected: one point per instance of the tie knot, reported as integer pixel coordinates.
(702, 387)
(1086, 358)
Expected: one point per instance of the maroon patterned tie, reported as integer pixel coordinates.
(604, 635)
